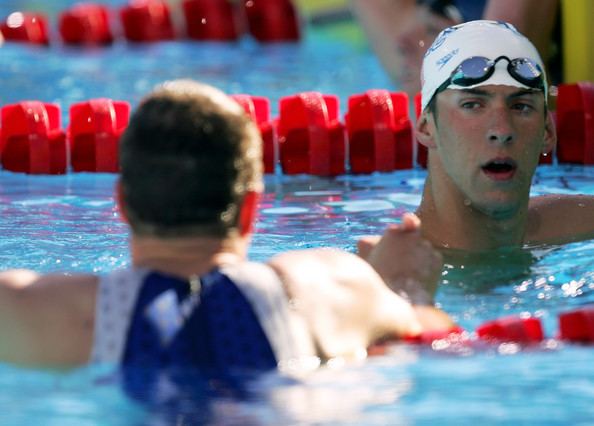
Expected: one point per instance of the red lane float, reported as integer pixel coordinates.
(575, 123)
(32, 140)
(577, 325)
(147, 21)
(258, 108)
(214, 20)
(512, 329)
(428, 337)
(272, 20)
(29, 27)
(379, 132)
(85, 23)
(311, 137)
(94, 134)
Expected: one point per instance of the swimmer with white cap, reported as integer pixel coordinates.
(485, 122)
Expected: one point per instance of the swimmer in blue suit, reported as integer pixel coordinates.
(189, 187)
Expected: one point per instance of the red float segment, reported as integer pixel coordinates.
(29, 27)
(85, 23)
(512, 329)
(311, 137)
(577, 325)
(454, 333)
(94, 134)
(258, 108)
(32, 140)
(147, 21)
(546, 159)
(379, 131)
(575, 123)
(215, 20)
(272, 20)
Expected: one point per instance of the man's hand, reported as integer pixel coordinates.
(407, 262)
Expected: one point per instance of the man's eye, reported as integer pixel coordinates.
(522, 107)
(470, 104)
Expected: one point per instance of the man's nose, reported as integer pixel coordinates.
(501, 129)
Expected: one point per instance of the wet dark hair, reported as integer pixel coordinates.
(187, 159)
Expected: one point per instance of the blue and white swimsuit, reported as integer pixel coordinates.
(234, 317)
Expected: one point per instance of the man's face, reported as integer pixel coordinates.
(487, 144)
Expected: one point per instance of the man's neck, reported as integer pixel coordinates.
(451, 222)
(184, 257)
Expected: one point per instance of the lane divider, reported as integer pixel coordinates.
(576, 327)
(26, 27)
(258, 109)
(147, 21)
(94, 134)
(211, 20)
(308, 136)
(32, 139)
(379, 131)
(85, 23)
(575, 123)
(151, 21)
(272, 20)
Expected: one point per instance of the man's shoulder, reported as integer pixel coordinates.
(30, 280)
(558, 205)
(560, 218)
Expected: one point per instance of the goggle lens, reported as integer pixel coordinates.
(477, 69)
(473, 70)
(525, 70)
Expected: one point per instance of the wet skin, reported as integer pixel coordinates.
(484, 145)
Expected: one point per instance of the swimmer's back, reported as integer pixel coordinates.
(239, 311)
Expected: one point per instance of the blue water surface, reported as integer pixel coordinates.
(70, 223)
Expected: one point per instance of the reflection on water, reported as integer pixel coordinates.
(478, 272)
(542, 281)
(407, 386)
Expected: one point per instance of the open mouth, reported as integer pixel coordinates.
(500, 169)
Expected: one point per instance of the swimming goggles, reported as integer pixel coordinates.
(477, 69)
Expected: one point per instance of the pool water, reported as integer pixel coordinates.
(71, 223)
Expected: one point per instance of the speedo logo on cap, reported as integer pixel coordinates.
(445, 34)
(441, 62)
(441, 38)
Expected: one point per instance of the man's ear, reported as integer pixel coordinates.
(550, 134)
(425, 130)
(248, 212)
(120, 204)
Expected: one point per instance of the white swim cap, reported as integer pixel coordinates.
(490, 39)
